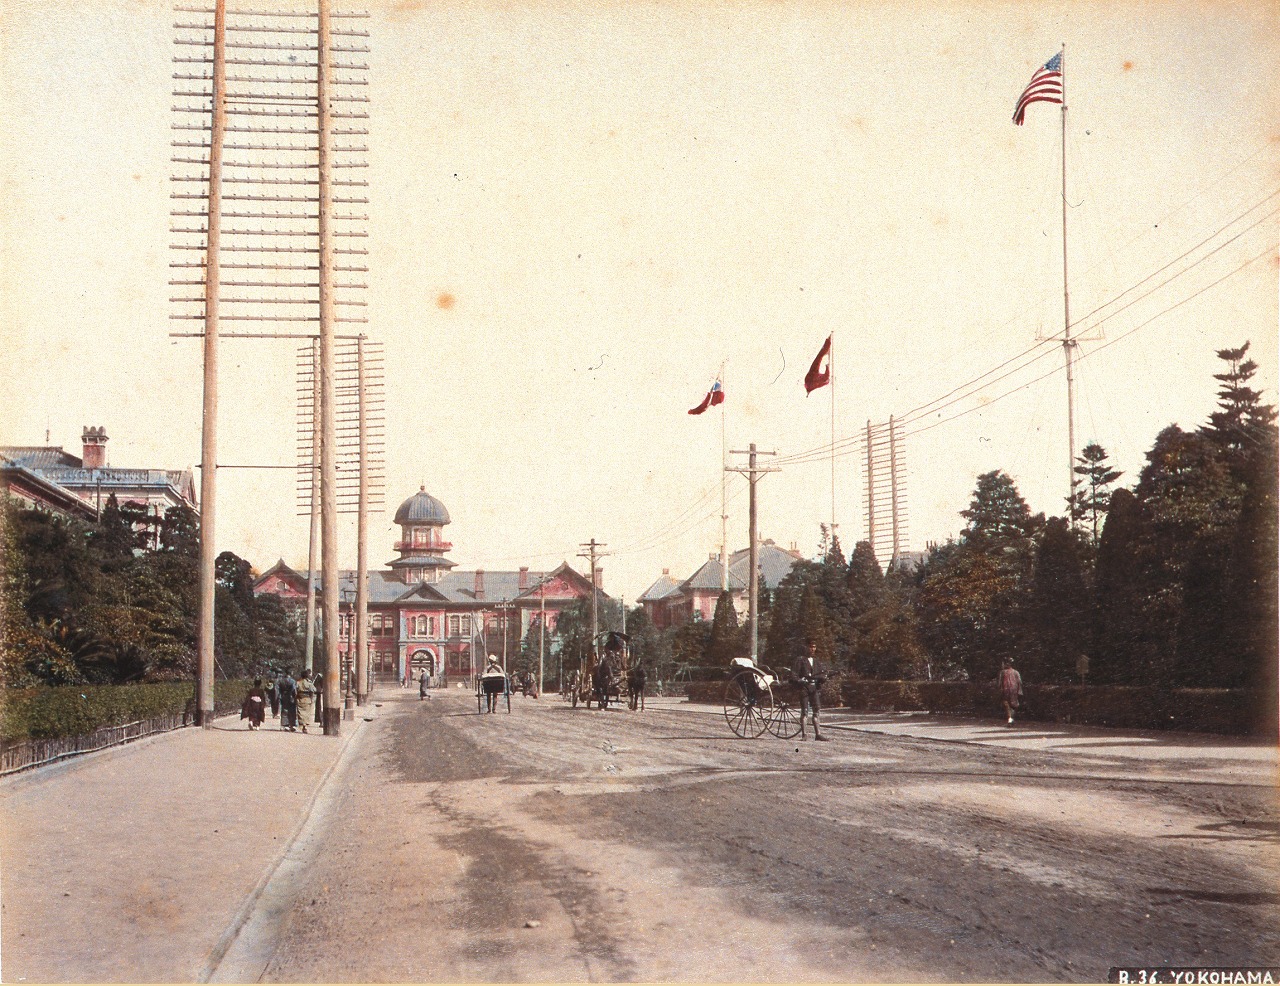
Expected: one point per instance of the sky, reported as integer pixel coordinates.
(581, 211)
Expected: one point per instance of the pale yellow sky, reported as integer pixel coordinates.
(617, 198)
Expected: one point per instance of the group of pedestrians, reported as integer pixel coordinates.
(295, 702)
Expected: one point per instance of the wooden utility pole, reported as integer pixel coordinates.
(328, 423)
(313, 537)
(893, 490)
(593, 553)
(542, 628)
(361, 665)
(753, 474)
(209, 427)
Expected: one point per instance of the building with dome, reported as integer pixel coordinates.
(424, 614)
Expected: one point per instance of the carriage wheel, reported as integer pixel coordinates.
(748, 705)
(786, 721)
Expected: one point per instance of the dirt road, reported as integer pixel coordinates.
(656, 846)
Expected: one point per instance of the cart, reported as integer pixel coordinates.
(602, 680)
(492, 684)
(756, 701)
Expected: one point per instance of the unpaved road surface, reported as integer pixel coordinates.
(656, 846)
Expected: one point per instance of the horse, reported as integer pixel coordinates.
(635, 685)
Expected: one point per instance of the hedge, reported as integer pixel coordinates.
(57, 712)
(1203, 710)
(1207, 710)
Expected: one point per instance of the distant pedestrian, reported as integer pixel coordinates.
(255, 705)
(1010, 689)
(806, 673)
(273, 696)
(306, 698)
(288, 690)
(422, 685)
(319, 683)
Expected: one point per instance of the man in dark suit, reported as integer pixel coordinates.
(806, 673)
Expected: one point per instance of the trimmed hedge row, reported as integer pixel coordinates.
(1205, 710)
(1201, 710)
(55, 713)
(712, 692)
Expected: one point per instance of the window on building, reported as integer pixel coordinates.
(431, 626)
(422, 626)
(455, 626)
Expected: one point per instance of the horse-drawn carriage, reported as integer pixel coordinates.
(608, 675)
(758, 701)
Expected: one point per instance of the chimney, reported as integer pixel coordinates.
(524, 578)
(599, 577)
(95, 448)
(479, 583)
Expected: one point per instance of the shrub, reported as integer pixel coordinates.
(54, 713)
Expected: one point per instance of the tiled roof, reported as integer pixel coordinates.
(421, 561)
(664, 587)
(711, 577)
(775, 563)
(40, 457)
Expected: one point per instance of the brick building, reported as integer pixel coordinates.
(671, 603)
(47, 477)
(425, 615)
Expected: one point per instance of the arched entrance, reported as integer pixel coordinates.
(423, 659)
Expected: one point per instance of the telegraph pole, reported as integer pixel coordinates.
(313, 539)
(593, 553)
(753, 474)
(361, 665)
(209, 427)
(542, 628)
(328, 422)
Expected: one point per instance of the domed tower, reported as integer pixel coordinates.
(422, 546)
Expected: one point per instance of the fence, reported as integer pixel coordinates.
(37, 753)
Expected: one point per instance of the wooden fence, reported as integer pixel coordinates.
(38, 753)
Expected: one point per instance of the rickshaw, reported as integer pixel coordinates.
(495, 684)
(756, 701)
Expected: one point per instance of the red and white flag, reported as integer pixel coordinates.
(714, 396)
(819, 374)
(1045, 87)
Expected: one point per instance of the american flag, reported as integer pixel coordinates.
(1045, 87)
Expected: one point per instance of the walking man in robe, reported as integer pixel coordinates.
(1010, 688)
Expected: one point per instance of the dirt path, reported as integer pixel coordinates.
(658, 847)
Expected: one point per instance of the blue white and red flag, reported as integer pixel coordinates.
(1045, 87)
(714, 396)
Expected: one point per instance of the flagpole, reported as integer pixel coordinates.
(724, 510)
(1068, 345)
(831, 369)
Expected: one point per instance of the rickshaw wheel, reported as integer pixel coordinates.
(748, 705)
(786, 722)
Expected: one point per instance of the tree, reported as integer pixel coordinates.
(725, 642)
(998, 516)
(1242, 422)
(1058, 611)
(180, 532)
(1093, 495)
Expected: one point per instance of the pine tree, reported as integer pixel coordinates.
(1093, 496)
